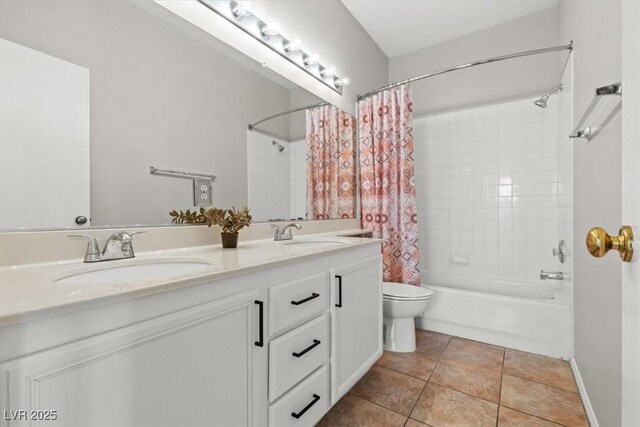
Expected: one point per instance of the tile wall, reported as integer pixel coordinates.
(276, 180)
(487, 189)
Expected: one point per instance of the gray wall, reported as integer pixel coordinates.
(158, 97)
(594, 26)
(488, 83)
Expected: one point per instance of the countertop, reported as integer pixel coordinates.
(28, 292)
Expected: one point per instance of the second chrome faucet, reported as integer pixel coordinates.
(284, 233)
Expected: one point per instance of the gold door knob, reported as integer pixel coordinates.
(599, 242)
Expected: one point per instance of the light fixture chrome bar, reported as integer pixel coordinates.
(580, 131)
(294, 110)
(265, 34)
(180, 174)
(470, 64)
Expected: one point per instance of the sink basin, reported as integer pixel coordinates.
(132, 272)
(314, 243)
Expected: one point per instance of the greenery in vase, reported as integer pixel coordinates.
(230, 220)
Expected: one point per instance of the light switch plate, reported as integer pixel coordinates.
(202, 192)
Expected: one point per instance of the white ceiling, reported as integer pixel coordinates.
(401, 26)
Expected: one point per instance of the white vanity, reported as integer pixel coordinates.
(272, 334)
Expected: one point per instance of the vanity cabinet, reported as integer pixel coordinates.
(357, 322)
(276, 347)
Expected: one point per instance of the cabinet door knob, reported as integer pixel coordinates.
(599, 242)
(81, 220)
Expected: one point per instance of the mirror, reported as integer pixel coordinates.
(116, 113)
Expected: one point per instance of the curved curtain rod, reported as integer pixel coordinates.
(470, 64)
(319, 104)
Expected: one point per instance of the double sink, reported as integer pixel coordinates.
(151, 269)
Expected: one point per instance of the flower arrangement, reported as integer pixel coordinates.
(231, 221)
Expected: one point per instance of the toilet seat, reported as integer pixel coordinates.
(404, 292)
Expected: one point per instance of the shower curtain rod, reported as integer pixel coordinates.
(319, 104)
(470, 64)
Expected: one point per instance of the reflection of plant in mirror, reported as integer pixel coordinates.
(230, 220)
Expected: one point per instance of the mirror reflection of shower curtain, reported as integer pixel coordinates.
(331, 180)
(387, 181)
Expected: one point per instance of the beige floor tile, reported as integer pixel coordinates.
(352, 411)
(551, 403)
(443, 407)
(480, 355)
(413, 423)
(417, 364)
(390, 389)
(510, 418)
(479, 382)
(540, 369)
(431, 343)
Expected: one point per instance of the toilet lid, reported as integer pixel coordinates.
(400, 291)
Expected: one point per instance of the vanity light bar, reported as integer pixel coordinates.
(241, 15)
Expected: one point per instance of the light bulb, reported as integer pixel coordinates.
(240, 10)
(311, 59)
(292, 45)
(328, 72)
(341, 82)
(269, 30)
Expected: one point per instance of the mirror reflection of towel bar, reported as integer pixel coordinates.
(180, 174)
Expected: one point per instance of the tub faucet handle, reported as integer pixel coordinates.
(552, 275)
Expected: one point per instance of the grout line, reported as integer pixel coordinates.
(532, 415)
(546, 385)
(504, 358)
(377, 404)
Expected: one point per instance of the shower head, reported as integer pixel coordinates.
(542, 102)
(278, 146)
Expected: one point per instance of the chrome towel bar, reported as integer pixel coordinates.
(180, 174)
(596, 118)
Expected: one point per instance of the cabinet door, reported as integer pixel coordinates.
(357, 322)
(191, 367)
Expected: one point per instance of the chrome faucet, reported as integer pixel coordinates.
(552, 275)
(285, 233)
(118, 246)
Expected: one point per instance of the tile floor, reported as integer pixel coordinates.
(452, 381)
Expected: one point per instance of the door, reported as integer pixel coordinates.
(357, 322)
(192, 367)
(44, 132)
(631, 211)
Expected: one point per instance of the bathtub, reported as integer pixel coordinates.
(528, 316)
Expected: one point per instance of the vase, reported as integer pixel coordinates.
(229, 240)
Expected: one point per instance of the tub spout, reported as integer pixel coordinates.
(552, 275)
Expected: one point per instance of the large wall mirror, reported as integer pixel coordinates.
(119, 112)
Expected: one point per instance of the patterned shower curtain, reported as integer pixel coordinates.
(331, 177)
(387, 182)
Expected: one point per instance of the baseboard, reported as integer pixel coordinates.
(591, 415)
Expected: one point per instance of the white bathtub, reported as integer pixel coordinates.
(529, 316)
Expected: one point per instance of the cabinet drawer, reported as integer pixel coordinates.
(294, 302)
(296, 354)
(304, 405)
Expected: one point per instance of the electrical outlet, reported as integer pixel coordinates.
(202, 192)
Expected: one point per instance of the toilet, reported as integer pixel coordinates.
(401, 303)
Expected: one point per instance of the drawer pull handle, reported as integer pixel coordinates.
(311, 347)
(302, 301)
(260, 342)
(339, 304)
(306, 408)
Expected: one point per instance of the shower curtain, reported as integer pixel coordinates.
(331, 176)
(387, 182)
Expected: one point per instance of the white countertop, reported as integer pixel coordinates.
(28, 292)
